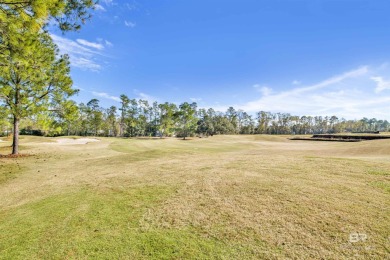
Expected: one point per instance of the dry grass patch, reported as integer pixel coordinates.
(221, 197)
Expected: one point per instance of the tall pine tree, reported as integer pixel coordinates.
(31, 73)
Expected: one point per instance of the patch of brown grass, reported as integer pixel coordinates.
(13, 156)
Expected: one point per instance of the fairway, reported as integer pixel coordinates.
(223, 197)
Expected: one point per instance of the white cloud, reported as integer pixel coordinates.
(346, 95)
(105, 42)
(109, 44)
(195, 99)
(144, 96)
(99, 8)
(130, 24)
(83, 54)
(381, 84)
(264, 90)
(296, 82)
(90, 44)
(333, 80)
(85, 63)
(132, 6)
(257, 87)
(105, 95)
(107, 2)
(80, 56)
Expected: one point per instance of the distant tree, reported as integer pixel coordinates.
(66, 115)
(167, 120)
(263, 121)
(95, 115)
(83, 125)
(333, 120)
(111, 121)
(222, 124)
(232, 116)
(154, 119)
(247, 124)
(372, 123)
(186, 119)
(303, 125)
(384, 126)
(133, 118)
(144, 117)
(205, 122)
(124, 107)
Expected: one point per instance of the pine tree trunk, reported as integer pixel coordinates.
(15, 143)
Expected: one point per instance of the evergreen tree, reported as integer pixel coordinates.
(186, 118)
(111, 121)
(95, 115)
(167, 120)
(31, 73)
(36, 14)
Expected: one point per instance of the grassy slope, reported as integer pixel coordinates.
(220, 197)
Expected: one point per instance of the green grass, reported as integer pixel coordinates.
(225, 197)
(379, 172)
(385, 186)
(84, 223)
(101, 224)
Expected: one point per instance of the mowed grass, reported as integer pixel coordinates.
(223, 197)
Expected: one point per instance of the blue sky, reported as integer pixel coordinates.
(306, 57)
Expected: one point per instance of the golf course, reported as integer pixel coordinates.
(222, 197)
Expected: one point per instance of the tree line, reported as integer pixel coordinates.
(140, 118)
(35, 87)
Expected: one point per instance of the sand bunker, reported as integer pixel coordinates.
(70, 141)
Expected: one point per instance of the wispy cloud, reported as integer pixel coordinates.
(109, 44)
(195, 99)
(350, 95)
(94, 45)
(333, 80)
(132, 6)
(381, 84)
(99, 8)
(144, 96)
(296, 82)
(83, 54)
(264, 90)
(130, 24)
(107, 2)
(106, 95)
